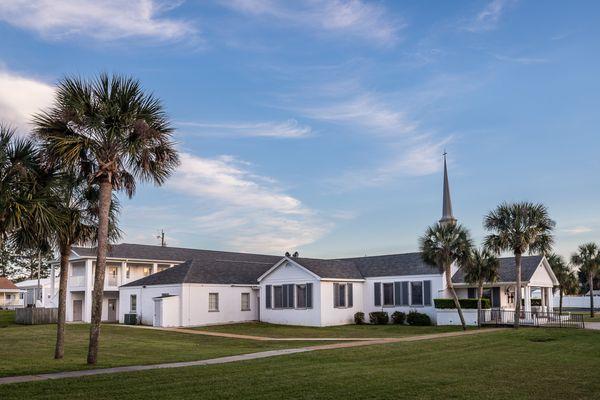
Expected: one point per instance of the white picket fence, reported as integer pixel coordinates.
(577, 301)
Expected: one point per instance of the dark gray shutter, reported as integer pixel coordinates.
(427, 293)
(284, 295)
(309, 295)
(377, 293)
(336, 294)
(397, 294)
(350, 296)
(268, 296)
(496, 297)
(471, 293)
(404, 293)
(291, 296)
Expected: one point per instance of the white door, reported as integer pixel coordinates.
(157, 313)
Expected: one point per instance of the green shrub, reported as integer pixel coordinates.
(418, 319)
(445, 304)
(398, 317)
(379, 317)
(359, 318)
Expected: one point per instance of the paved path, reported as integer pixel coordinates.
(242, 357)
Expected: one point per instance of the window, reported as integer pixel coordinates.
(283, 296)
(133, 303)
(388, 294)
(301, 296)
(162, 267)
(416, 292)
(342, 295)
(213, 302)
(146, 271)
(127, 272)
(268, 296)
(278, 296)
(377, 291)
(245, 301)
(21, 296)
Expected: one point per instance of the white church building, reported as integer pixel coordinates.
(166, 286)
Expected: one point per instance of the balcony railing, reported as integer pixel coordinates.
(11, 303)
(112, 280)
(548, 319)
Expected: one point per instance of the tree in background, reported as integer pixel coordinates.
(519, 228)
(113, 133)
(587, 259)
(445, 244)
(482, 267)
(567, 281)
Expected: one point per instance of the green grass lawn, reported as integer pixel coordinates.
(343, 331)
(29, 349)
(7, 318)
(526, 364)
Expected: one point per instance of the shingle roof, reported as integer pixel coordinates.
(507, 269)
(334, 269)
(393, 265)
(5, 283)
(227, 272)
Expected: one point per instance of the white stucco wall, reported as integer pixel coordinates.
(291, 274)
(437, 291)
(195, 304)
(331, 315)
(169, 309)
(145, 300)
(451, 317)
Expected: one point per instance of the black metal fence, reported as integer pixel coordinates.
(548, 319)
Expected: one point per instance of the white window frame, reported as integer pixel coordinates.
(244, 307)
(213, 306)
(133, 303)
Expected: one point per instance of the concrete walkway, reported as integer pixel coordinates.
(242, 357)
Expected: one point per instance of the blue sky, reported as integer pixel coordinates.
(319, 125)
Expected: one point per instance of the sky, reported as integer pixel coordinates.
(319, 126)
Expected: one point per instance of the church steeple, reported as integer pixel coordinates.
(447, 217)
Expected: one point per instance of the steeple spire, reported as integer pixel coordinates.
(447, 217)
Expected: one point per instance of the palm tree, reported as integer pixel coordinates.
(442, 245)
(79, 211)
(113, 133)
(482, 267)
(567, 281)
(587, 259)
(519, 228)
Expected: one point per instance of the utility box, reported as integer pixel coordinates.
(130, 319)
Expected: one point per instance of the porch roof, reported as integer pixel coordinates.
(506, 272)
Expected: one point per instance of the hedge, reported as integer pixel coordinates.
(444, 304)
(359, 318)
(398, 317)
(379, 318)
(418, 319)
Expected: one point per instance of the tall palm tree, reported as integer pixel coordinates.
(567, 281)
(587, 259)
(112, 132)
(519, 228)
(79, 211)
(445, 244)
(482, 267)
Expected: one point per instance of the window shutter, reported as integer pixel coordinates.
(309, 295)
(291, 296)
(268, 296)
(377, 293)
(336, 295)
(397, 294)
(350, 296)
(284, 295)
(404, 293)
(471, 293)
(427, 293)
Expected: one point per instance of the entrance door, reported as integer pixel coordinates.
(77, 310)
(157, 313)
(112, 309)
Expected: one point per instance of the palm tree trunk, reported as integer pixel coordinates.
(59, 350)
(103, 220)
(591, 284)
(479, 296)
(450, 286)
(518, 290)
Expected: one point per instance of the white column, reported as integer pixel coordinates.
(154, 268)
(123, 270)
(89, 286)
(549, 299)
(52, 286)
(527, 298)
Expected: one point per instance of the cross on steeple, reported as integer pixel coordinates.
(447, 216)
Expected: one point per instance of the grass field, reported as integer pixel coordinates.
(343, 331)
(525, 364)
(7, 318)
(29, 349)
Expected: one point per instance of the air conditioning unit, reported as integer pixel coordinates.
(130, 319)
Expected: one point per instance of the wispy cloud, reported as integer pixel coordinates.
(21, 97)
(247, 211)
(488, 18)
(577, 230)
(521, 60)
(106, 20)
(361, 19)
(275, 129)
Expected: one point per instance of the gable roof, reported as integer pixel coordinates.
(393, 265)
(227, 272)
(507, 272)
(333, 269)
(6, 283)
